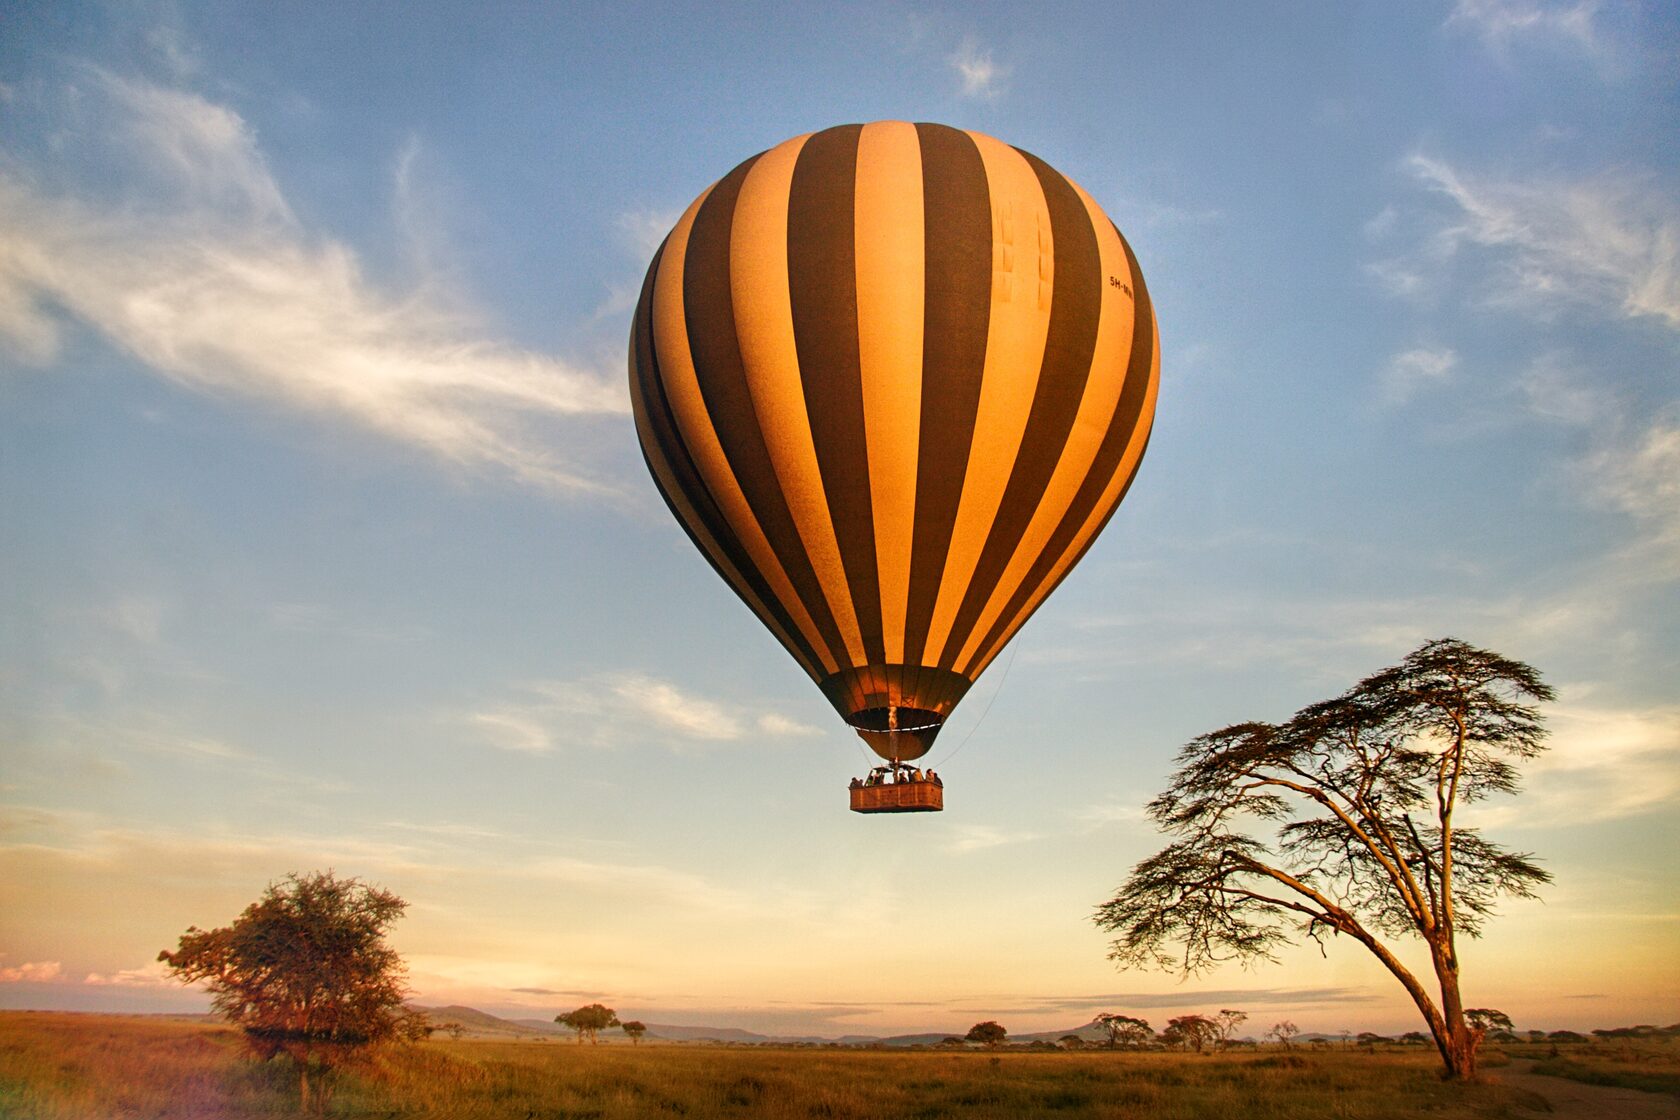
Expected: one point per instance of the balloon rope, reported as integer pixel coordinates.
(862, 750)
(1010, 664)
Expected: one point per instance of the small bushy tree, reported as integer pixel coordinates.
(635, 1028)
(305, 972)
(1123, 1030)
(588, 1021)
(1193, 1032)
(989, 1033)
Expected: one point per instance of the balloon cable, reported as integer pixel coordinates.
(1010, 664)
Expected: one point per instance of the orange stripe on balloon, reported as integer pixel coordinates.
(758, 278)
(688, 411)
(890, 291)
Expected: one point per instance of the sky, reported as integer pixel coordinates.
(325, 541)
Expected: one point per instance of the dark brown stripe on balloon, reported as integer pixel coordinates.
(822, 286)
(709, 311)
(957, 311)
(1127, 412)
(1075, 306)
(662, 439)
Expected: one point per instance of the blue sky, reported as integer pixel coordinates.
(327, 543)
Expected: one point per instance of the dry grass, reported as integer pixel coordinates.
(60, 1066)
(1652, 1065)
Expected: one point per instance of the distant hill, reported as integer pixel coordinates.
(1090, 1032)
(480, 1024)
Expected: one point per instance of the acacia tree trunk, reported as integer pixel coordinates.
(1456, 1040)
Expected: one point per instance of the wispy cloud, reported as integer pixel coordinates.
(1553, 389)
(646, 229)
(1328, 642)
(1609, 242)
(619, 709)
(1104, 813)
(1132, 210)
(1413, 371)
(30, 972)
(203, 273)
(1604, 763)
(1501, 23)
(979, 75)
(1633, 464)
(979, 837)
(146, 976)
(1641, 477)
(610, 910)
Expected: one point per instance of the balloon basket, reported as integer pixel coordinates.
(899, 797)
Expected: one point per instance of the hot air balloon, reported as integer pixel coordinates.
(893, 379)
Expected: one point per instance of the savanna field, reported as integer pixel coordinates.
(60, 1066)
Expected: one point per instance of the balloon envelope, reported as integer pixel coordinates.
(893, 379)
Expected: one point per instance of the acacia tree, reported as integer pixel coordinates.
(1123, 1030)
(1284, 1032)
(1226, 1023)
(1488, 1019)
(989, 1033)
(1193, 1032)
(305, 972)
(635, 1028)
(586, 1021)
(1362, 792)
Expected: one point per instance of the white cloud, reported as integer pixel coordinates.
(1328, 642)
(1399, 276)
(30, 972)
(1555, 391)
(153, 975)
(202, 150)
(980, 75)
(1413, 371)
(1633, 465)
(512, 730)
(1105, 813)
(1641, 477)
(978, 837)
(689, 716)
(773, 724)
(1604, 763)
(206, 277)
(646, 230)
(1137, 210)
(79, 855)
(1500, 23)
(620, 709)
(1609, 242)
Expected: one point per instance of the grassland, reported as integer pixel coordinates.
(57, 1066)
(1650, 1065)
